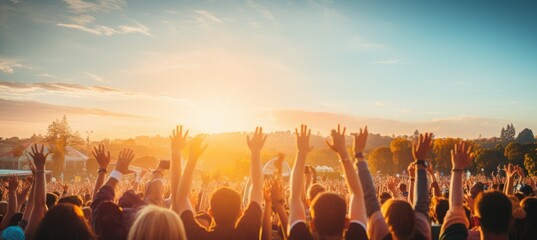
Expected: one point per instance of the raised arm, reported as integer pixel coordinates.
(12, 187)
(39, 208)
(178, 143)
(266, 230)
(256, 172)
(509, 178)
(357, 210)
(182, 200)
(420, 150)
(434, 183)
(411, 169)
(296, 206)
(103, 159)
(461, 157)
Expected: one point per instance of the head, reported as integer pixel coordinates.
(64, 221)
(518, 211)
(108, 221)
(328, 215)
(399, 216)
(12, 233)
(440, 207)
(494, 212)
(157, 223)
(15, 219)
(225, 206)
(51, 200)
(402, 187)
(154, 192)
(384, 196)
(73, 199)
(477, 188)
(314, 190)
(529, 205)
(130, 199)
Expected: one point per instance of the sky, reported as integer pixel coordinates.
(121, 69)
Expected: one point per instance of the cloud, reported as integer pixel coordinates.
(456, 126)
(57, 87)
(18, 90)
(108, 31)
(361, 43)
(261, 9)
(9, 65)
(389, 61)
(207, 15)
(30, 111)
(383, 104)
(80, 6)
(46, 75)
(94, 77)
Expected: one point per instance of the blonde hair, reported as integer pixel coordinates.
(157, 223)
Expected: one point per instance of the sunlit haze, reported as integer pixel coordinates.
(129, 68)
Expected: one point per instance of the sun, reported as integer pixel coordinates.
(218, 117)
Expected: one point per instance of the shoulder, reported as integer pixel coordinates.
(299, 231)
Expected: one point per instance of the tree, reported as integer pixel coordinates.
(381, 159)
(442, 153)
(508, 134)
(525, 136)
(514, 152)
(402, 153)
(488, 159)
(59, 136)
(530, 162)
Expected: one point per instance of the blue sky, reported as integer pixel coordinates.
(126, 68)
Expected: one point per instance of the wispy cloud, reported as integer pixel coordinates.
(389, 61)
(80, 6)
(23, 111)
(361, 43)
(383, 104)
(86, 25)
(46, 75)
(261, 9)
(94, 77)
(18, 89)
(9, 65)
(208, 15)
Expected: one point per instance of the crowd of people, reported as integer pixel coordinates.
(303, 206)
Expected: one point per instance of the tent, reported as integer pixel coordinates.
(270, 168)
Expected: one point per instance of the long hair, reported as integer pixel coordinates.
(399, 216)
(64, 221)
(157, 223)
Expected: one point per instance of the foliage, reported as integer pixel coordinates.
(530, 162)
(508, 134)
(381, 159)
(59, 136)
(442, 153)
(488, 159)
(402, 153)
(525, 136)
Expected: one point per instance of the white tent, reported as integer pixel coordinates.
(71, 156)
(270, 168)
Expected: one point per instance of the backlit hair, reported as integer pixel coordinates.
(157, 223)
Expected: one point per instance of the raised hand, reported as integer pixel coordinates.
(124, 160)
(461, 155)
(430, 170)
(421, 149)
(520, 171)
(303, 139)
(277, 191)
(178, 140)
(360, 139)
(509, 170)
(196, 149)
(39, 157)
(257, 141)
(338, 142)
(392, 183)
(103, 159)
(12, 183)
